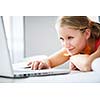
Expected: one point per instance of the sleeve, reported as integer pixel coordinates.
(97, 44)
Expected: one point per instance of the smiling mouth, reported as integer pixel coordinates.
(71, 51)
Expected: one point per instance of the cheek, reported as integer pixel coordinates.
(79, 43)
(62, 43)
(82, 45)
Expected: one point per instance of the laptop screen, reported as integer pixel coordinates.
(5, 62)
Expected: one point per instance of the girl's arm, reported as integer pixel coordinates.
(52, 61)
(58, 58)
(83, 61)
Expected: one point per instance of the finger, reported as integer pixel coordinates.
(29, 63)
(41, 65)
(35, 65)
(72, 66)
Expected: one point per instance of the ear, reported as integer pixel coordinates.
(87, 33)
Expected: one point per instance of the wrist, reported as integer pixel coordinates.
(47, 62)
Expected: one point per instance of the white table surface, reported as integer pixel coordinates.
(73, 77)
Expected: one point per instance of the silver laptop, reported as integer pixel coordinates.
(7, 69)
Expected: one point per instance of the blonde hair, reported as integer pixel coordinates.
(80, 23)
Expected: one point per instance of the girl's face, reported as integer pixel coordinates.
(73, 40)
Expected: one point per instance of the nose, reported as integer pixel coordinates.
(67, 44)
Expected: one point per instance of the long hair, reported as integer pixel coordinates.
(80, 23)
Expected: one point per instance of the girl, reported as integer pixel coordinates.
(80, 38)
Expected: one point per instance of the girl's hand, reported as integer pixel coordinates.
(81, 61)
(37, 65)
(72, 66)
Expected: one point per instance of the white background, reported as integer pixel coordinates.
(42, 91)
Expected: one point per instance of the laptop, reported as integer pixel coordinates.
(9, 70)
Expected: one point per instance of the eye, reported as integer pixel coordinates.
(61, 38)
(70, 37)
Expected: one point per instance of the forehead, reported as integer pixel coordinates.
(65, 30)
